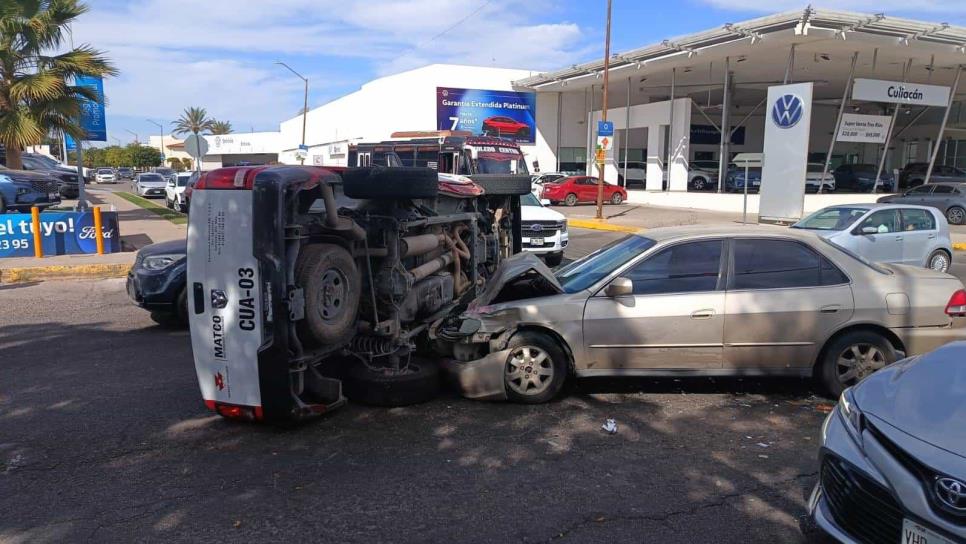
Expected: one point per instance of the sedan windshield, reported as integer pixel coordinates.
(587, 271)
(152, 178)
(838, 218)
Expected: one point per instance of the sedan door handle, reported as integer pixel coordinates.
(702, 314)
(830, 309)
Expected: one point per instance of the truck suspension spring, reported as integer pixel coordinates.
(373, 346)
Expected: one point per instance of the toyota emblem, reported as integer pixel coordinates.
(952, 493)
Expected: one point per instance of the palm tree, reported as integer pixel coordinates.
(35, 96)
(221, 127)
(193, 120)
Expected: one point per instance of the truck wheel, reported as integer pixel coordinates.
(502, 184)
(851, 357)
(418, 383)
(536, 368)
(331, 284)
(390, 183)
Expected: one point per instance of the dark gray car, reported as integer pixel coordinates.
(893, 457)
(949, 198)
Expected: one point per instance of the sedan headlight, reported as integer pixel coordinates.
(160, 262)
(851, 414)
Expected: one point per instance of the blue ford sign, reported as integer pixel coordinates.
(787, 111)
(61, 233)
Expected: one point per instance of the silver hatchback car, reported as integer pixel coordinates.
(886, 233)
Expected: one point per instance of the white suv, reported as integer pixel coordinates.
(544, 231)
(174, 191)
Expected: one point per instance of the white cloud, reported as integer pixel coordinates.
(218, 53)
(870, 6)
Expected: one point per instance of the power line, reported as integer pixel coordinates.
(457, 23)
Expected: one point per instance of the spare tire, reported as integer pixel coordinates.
(503, 184)
(331, 284)
(420, 383)
(390, 183)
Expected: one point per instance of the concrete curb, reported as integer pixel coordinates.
(960, 246)
(63, 272)
(595, 224)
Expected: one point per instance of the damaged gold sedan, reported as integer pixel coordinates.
(696, 301)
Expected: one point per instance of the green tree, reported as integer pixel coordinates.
(221, 127)
(35, 96)
(175, 164)
(186, 162)
(193, 120)
(141, 156)
(94, 157)
(115, 156)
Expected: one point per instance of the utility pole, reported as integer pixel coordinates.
(136, 141)
(603, 116)
(161, 145)
(305, 105)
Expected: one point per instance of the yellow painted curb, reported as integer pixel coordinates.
(601, 225)
(38, 273)
(959, 247)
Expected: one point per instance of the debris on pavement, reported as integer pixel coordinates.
(762, 444)
(610, 426)
(825, 408)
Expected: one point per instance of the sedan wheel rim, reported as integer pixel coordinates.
(955, 216)
(939, 263)
(858, 361)
(529, 370)
(332, 294)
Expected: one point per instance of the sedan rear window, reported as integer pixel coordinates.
(781, 264)
(151, 177)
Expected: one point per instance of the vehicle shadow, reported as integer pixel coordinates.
(103, 424)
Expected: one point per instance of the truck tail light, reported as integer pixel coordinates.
(236, 177)
(957, 304)
(234, 411)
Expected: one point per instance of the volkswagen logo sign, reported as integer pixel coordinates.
(787, 111)
(952, 493)
(536, 228)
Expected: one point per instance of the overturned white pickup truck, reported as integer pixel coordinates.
(301, 279)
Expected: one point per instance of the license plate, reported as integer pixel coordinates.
(913, 533)
(536, 241)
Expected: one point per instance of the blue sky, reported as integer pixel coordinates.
(219, 54)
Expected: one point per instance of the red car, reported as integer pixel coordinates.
(574, 189)
(505, 126)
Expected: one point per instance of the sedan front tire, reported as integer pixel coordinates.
(536, 369)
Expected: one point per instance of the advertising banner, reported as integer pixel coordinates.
(709, 135)
(864, 128)
(92, 112)
(895, 92)
(505, 114)
(62, 233)
(71, 144)
(788, 120)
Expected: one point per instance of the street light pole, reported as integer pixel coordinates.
(135, 136)
(603, 115)
(305, 104)
(160, 145)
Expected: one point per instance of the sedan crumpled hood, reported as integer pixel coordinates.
(924, 397)
(513, 268)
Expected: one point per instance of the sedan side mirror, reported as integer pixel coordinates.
(619, 287)
(870, 230)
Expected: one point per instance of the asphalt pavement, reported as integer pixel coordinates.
(104, 438)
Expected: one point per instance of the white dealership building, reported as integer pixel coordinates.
(671, 102)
